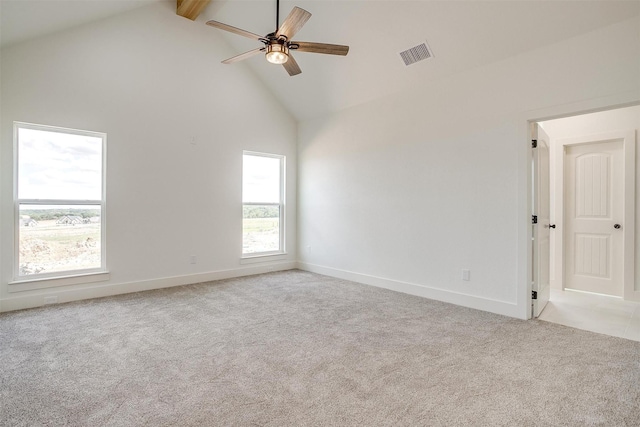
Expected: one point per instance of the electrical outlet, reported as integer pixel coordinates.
(51, 300)
(466, 275)
(193, 259)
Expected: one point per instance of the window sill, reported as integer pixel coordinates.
(252, 259)
(21, 285)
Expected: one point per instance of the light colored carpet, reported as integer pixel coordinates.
(294, 349)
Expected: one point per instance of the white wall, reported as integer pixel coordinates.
(406, 191)
(152, 81)
(623, 119)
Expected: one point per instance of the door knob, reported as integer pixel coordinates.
(552, 226)
(616, 226)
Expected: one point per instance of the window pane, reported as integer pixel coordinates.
(260, 179)
(56, 165)
(260, 228)
(59, 238)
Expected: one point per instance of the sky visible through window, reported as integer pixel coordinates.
(59, 166)
(260, 179)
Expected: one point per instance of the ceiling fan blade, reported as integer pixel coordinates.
(244, 55)
(292, 66)
(329, 49)
(292, 24)
(234, 30)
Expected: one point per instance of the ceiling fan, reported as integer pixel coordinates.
(278, 45)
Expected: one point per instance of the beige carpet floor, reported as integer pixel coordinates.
(299, 349)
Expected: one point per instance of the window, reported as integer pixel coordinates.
(59, 201)
(262, 204)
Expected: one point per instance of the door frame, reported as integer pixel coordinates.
(525, 184)
(541, 239)
(629, 205)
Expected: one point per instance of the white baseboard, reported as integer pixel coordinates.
(31, 300)
(20, 302)
(465, 300)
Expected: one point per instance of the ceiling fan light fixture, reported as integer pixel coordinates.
(277, 53)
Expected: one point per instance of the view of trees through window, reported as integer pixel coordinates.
(59, 239)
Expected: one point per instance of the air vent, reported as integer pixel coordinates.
(415, 54)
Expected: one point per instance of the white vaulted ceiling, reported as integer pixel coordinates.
(22, 20)
(461, 34)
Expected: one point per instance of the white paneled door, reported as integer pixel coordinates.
(542, 226)
(594, 212)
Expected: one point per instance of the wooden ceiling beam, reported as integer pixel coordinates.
(190, 9)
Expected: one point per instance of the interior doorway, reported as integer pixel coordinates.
(593, 186)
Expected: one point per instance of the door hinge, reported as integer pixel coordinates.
(534, 143)
(534, 219)
(534, 294)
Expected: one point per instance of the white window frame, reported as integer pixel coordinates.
(66, 277)
(281, 206)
